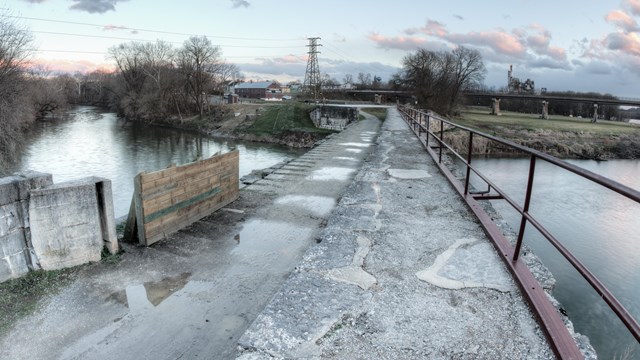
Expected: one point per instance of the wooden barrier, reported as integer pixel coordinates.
(168, 200)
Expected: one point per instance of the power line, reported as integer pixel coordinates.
(105, 53)
(170, 42)
(144, 30)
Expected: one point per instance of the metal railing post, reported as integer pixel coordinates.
(527, 201)
(469, 150)
(441, 141)
(428, 129)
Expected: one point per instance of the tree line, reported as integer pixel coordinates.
(152, 82)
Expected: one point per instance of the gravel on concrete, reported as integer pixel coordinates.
(403, 270)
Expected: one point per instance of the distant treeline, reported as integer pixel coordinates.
(152, 82)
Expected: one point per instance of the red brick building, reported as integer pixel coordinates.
(259, 90)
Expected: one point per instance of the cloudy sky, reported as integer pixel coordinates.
(580, 45)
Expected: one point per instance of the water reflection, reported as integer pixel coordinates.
(90, 142)
(599, 226)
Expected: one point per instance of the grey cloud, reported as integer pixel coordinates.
(34, 1)
(459, 17)
(95, 6)
(548, 63)
(598, 68)
(240, 3)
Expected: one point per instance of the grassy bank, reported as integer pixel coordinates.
(19, 297)
(278, 119)
(560, 136)
(380, 113)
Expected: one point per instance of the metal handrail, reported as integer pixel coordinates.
(420, 122)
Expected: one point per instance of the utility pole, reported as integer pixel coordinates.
(312, 83)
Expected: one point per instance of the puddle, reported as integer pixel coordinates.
(357, 151)
(264, 237)
(164, 313)
(354, 144)
(316, 205)
(408, 173)
(150, 294)
(332, 173)
(345, 158)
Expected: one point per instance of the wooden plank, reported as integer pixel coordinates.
(137, 190)
(176, 197)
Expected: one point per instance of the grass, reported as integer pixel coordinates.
(19, 297)
(479, 118)
(380, 113)
(286, 117)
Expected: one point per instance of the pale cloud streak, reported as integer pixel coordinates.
(240, 3)
(530, 45)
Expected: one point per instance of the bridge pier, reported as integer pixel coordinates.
(595, 113)
(545, 110)
(495, 106)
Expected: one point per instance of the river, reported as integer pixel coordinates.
(599, 226)
(87, 141)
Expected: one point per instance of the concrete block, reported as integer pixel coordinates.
(13, 262)
(65, 224)
(37, 180)
(9, 218)
(9, 189)
(107, 217)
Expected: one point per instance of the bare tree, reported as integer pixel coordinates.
(129, 60)
(468, 72)
(347, 80)
(15, 41)
(364, 80)
(437, 78)
(157, 65)
(46, 93)
(199, 61)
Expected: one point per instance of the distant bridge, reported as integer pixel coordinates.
(545, 97)
(494, 95)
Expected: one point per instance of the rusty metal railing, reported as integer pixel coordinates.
(429, 127)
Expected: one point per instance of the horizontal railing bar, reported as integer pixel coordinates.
(595, 283)
(599, 179)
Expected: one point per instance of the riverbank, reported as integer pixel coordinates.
(560, 136)
(286, 123)
(194, 294)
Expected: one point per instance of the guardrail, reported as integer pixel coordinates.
(431, 128)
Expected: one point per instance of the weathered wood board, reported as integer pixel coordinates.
(168, 200)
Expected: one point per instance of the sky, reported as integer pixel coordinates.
(577, 45)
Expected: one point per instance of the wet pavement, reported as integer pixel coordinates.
(194, 294)
(403, 270)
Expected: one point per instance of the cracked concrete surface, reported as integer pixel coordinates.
(354, 273)
(398, 218)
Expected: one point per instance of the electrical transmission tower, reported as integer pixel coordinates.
(312, 84)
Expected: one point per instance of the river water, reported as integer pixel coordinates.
(599, 226)
(90, 142)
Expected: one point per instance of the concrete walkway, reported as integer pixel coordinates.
(194, 294)
(403, 271)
